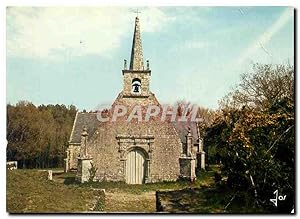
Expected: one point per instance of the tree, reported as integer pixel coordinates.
(262, 87)
(38, 136)
(256, 139)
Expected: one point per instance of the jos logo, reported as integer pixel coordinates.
(277, 198)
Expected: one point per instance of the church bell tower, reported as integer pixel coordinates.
(136, 79)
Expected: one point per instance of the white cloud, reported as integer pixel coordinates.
(52, 32)
(267, 35)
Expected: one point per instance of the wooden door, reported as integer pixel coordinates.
(135, 167)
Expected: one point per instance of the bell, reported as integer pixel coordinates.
(136, 88)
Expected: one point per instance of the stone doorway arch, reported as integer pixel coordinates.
(141, 143)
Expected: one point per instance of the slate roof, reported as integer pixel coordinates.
(90, 121)
(182, 130)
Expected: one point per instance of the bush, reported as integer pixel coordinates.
(217, 177)
(92, 172)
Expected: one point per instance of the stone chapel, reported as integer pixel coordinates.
(134, 152)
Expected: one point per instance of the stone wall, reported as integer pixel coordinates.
(83, 171)
(163, 153)
(109, 155)
(110, 142)
(187, 168)
(128, 76)
(73, 152)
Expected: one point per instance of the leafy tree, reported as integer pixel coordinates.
(256, 141)
(38, 136)
(262, 87)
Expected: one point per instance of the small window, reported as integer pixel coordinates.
(136, 86)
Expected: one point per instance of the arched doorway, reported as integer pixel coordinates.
(135, 167)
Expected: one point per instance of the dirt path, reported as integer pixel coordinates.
(128, 202)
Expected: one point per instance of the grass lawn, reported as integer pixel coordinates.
(121, 197)
(206, 179)
(29, 191)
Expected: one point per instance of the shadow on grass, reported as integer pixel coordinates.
(67, 178)
(70, 180)
(209, 200)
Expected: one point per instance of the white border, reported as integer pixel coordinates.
(5, 3)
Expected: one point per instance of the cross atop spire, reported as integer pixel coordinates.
(137, 12)
(136, 60)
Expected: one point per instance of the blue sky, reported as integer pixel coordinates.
(196, 53)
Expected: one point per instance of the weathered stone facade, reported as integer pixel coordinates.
(133, 151)
(143, 76)
(88, 120)
(84, 166)
(136, 59)
(160, 145)
(187, 160)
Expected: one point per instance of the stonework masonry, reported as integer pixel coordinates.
(129, 76)
(113, 140)
(84, 166)
(136, 59)
(133, 151)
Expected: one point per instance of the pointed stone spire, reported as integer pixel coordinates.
(136, 60)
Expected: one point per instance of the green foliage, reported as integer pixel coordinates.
(260, 88)
(218, 177)
(92, 172)
(257, 152)
(38, 136)
(100, 204)
(257, 145)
